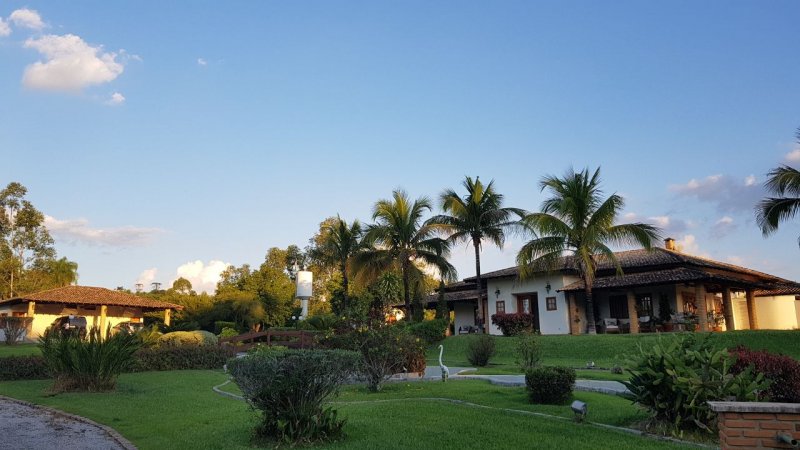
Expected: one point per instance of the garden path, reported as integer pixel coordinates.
(23, 425)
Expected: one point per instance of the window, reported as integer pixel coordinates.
(618, 307)
(501, 307)
(551, 304)
(689, 305)
(644, 305)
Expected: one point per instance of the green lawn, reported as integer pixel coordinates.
(178, 410)
(605, 350)
(18, 350)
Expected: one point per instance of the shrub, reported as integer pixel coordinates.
(513, 324)
(529, 353)
(187, 357)
(23, 368)
(430, 331)
(148, 336)
(384, 352)
(14, 328)
(480, 350)
(323, 322)
(228, 333)
(86, 364)
(290, 388)
(675, 378)
(550, 385)
(220, 325)
(783, 373)
(179, 338)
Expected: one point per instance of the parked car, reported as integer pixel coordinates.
(71, 324)
(129, 327)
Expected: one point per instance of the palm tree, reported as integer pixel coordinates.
(784, 183)
(340, 242)
(399, 240)
(476, 216)
(578, 221)
(63, 271)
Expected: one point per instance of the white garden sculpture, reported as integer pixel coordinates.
(445, 370)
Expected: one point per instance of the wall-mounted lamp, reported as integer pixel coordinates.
(497, 293)
(548, 287)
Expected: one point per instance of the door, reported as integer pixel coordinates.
(529, 304)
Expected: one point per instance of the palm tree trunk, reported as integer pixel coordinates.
(476, 243)
(344, 286)
(406, 294)
(591, 328)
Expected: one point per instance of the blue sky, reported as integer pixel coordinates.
(157, 134)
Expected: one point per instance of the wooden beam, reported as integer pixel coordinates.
(727, 309)
(702, 307)
(751, 309)
(31, 309)
(103, 316)
(167, 317)
(633, 316)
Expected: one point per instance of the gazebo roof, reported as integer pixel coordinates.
(88, 295)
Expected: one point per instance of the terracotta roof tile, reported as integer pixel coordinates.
(87, 295)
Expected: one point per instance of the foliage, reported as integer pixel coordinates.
(179, 338)
(23, 368)
(220, 325)
(513, 324)
(549, 384)
(576, 219)
(480, 350)
(14, 328)
(783, 183)
(529, 352)
(429, 331)
(384, 351)
(323, 322)
(228, 333)
(339, 242)
(148, 336)
(187, 357)
(675, 378)
(398, 240)
(782, 371)
(90, 364)
(290, 388)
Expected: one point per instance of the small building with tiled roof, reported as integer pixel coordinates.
(100, 307)
(642, 290)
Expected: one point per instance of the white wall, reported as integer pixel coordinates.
(463, 315)
(777, 313)
(550, 322)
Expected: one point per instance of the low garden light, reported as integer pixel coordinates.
(580, 409)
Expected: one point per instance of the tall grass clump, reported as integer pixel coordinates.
(86, 364)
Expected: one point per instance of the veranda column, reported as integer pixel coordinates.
(702, 307)
(727, 309)
(31, 309)
(632, 314)
(167, 316)
(103, 315)
(572, 308)
(751, 309)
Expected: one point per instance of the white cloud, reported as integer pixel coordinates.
(70, 64)
(670, 226)
(5, 30)
(202, 62)
(27, 18)
(793, 156)
(726, 192)
(688, 244)
(204, 278)
(723, 227)
(79, 231)
(116, 99)
(146, 277)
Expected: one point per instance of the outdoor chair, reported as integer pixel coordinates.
(611, 326)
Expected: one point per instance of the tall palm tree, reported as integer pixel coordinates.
(576, 220)
(476, 216)
(63, 271)
(784, 183)
(340, 242)
(399, 239)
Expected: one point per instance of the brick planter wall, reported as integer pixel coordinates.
(756, 424)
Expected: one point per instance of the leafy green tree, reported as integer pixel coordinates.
(784, 184)
(577, 220)
(182, 286)
(476, 217)
(24, 240)
(63, 271)
(338, 244)
(398, 239)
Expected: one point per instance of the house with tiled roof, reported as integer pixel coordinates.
(99, 307)
(700, 293)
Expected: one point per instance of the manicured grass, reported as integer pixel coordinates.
(604, 350)
(19, 350)
(178, 410)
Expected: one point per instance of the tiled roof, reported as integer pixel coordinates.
(679, 275)
(87, 295)
(785, 289)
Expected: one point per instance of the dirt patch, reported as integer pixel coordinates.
(24, 425)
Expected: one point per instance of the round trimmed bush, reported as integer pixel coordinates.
(480, 350)
(178, 338)
(550, 385)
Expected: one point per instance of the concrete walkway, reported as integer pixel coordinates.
(462, 373)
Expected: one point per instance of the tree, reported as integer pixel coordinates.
(784, 183)
(339, 243)
(182, 286)
(477, 216)
(578, 221)
(23, 237)
(398, 239)
(63, 271)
